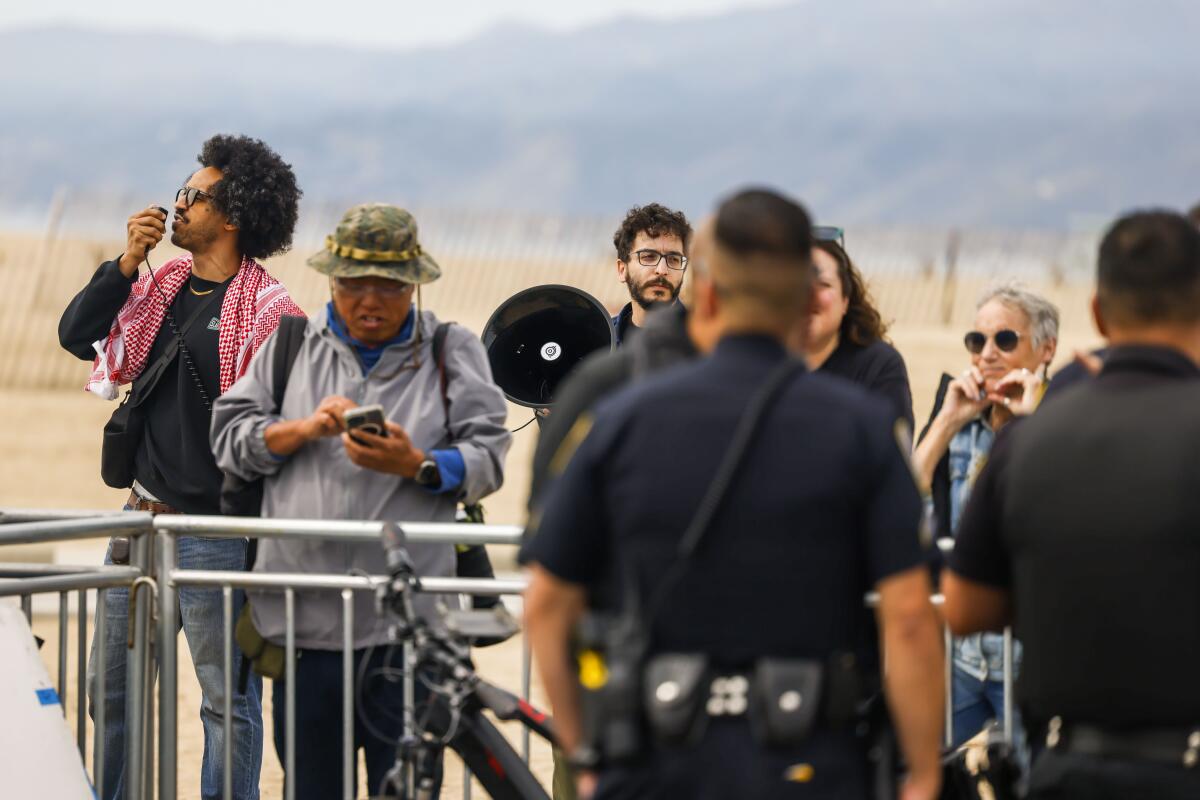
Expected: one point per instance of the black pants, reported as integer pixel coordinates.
(318, 730)
(1068, 777)
(728, 763)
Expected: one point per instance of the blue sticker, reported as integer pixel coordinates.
(47, 697)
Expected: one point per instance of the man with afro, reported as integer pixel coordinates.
(180, 335)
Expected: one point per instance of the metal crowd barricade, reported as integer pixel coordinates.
(23, 580)
(171, 578)
(149, 572)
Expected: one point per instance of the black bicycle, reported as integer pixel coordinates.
(452, 715)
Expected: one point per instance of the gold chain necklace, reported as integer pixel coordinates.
(192, 289)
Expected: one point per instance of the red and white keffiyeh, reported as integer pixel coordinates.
(250, 312)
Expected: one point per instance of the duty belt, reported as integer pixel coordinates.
(1174, 746)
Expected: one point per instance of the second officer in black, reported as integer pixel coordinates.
(759, 618)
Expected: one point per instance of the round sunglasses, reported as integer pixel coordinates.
(1006, 340)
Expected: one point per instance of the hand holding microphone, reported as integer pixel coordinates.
(143, 231)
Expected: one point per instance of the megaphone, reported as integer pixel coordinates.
(538, 335)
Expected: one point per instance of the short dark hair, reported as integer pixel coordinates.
(1149, 269)
(763, 222)
(765, 267)
(257, 193)
(653, 220)
(863, 324)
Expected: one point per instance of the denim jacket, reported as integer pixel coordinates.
(979, 654)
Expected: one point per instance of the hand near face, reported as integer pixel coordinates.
(394, 454)
(143, 231)
(1020, 390)
(965, 398)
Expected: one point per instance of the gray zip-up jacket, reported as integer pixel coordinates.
(320, 482)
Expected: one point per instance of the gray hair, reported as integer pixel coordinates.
(1042, 314)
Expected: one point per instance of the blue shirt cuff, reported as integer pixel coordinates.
(452, 469)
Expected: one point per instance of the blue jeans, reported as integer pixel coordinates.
(378, 719)
(978, 702)
(200, 610)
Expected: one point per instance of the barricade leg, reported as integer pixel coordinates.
(99, 694)
(63, 623)
(139, 675)
(526, 689)
(81, 677)
(348, 787)
(289, 747)
(168, 656)
(227, 708)
(948, 641)
(1008, 685)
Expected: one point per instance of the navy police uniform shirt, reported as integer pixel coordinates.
(823, 508)
(1087, 514)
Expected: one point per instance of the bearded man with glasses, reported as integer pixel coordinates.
(652, 245)
(181, 334)
(1010, 349)
(444, 442)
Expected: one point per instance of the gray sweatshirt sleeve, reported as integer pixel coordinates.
(240, 418)
(478, 415)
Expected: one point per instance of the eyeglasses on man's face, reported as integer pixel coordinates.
(652, 258)
(358, 287)
(188, 195)
(1006, 340)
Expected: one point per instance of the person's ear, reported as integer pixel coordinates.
(704, 295)
(622, 272)
(1098, 316)
(1049, 348)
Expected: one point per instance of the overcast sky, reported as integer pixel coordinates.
(374, 23)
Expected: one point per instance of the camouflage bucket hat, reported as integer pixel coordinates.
(376, 239)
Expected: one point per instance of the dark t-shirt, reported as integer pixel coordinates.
(878, 367)
(174, 459)
(823, 508)
(1087, 513)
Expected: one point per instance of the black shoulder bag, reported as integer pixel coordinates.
(242, 498)
(124, 429)
(472, 560)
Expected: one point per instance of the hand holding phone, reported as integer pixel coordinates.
(368, 419)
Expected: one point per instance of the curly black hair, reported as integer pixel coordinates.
(654, 220)
(257, 193)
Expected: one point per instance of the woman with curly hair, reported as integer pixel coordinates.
(846, 335)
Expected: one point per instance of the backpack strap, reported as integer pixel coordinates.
(291, 336)
(439, 358)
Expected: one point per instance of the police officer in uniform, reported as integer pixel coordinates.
(1082, 531)
(821, 509)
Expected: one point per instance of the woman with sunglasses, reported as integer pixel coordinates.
(1010, 347)
(846, 333)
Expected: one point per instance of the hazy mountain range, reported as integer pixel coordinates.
(1020, 113)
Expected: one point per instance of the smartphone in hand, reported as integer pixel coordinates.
(366, 418)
